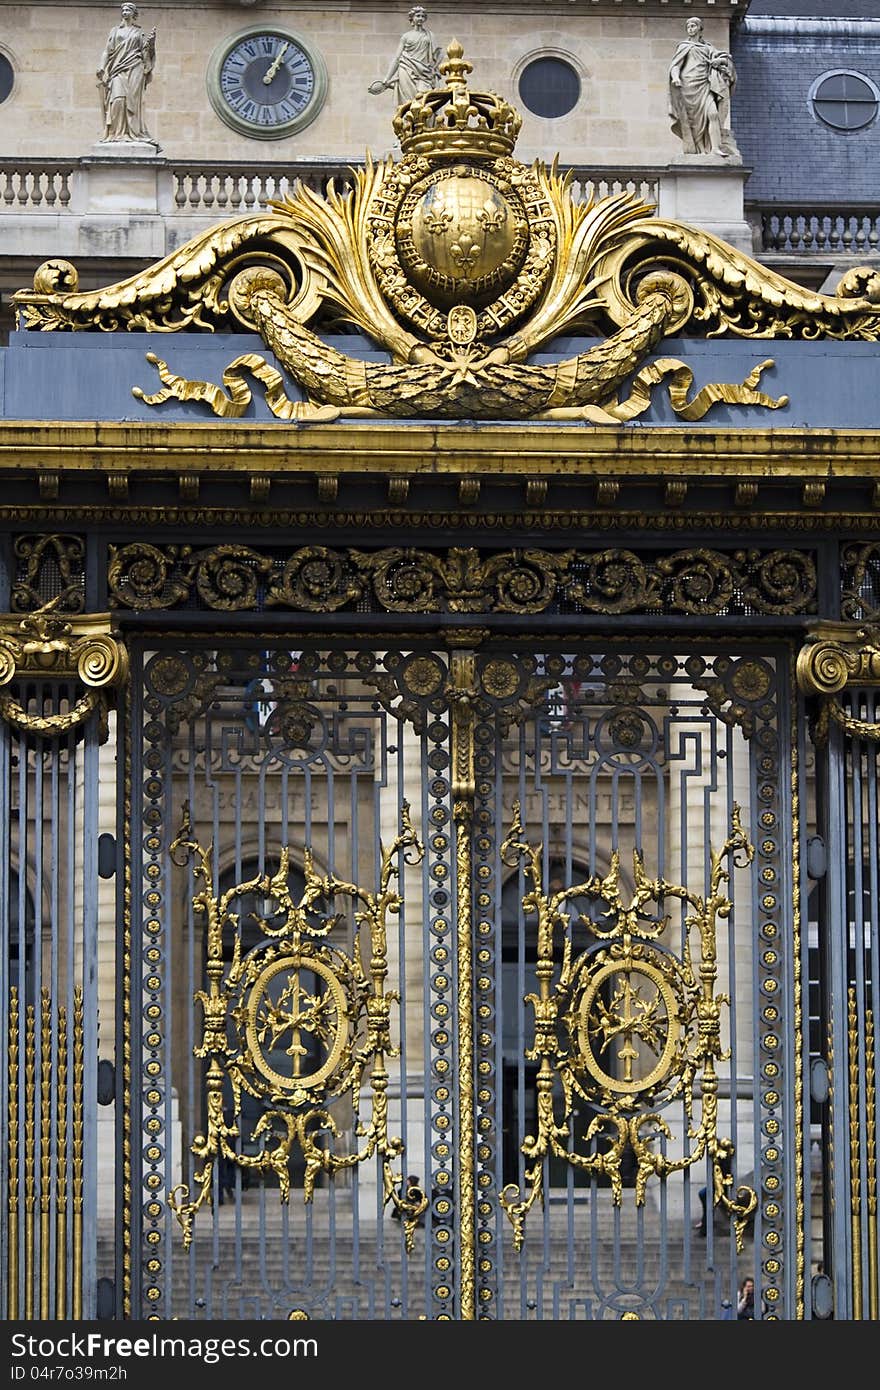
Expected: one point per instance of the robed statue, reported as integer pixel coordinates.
(701, 80)
(414, 66)
(126, 68)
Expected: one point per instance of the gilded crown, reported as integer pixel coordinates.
(452, 122)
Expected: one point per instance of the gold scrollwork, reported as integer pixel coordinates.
(462, 581)
(737, 689)
(460, 263)
(59, 553)
(732, 294)
(57, 646)
(835, 657)
(318, 579)
(858, 594)
(297, 988)
(609, 1010)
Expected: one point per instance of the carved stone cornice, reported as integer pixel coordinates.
(63, 647)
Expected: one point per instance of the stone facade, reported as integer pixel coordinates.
(622, 58)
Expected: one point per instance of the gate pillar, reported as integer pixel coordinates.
(58, 670)
(839, 668)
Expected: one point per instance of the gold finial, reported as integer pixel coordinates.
(456, 67)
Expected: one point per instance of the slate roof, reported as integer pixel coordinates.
(793, 155)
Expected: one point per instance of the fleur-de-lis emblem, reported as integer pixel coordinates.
(437, 221)
(491, 218)
(465, 252)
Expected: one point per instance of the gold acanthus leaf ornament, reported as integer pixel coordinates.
(459, 262)
(626, 1026)
(300, 997)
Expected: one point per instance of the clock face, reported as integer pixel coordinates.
(266, 82)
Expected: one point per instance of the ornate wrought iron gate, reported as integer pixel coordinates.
(445, 971)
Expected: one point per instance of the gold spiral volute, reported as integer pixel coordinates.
(838, 654)
(102, 661)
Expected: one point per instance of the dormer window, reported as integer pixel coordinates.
(845, 100)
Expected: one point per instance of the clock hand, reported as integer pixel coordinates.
(276, 64)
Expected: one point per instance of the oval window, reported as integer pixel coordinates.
(7, 77)
(549, 87)
(845, 100)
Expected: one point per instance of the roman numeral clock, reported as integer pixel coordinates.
(266, 82)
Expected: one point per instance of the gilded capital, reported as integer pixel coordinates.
(836, 655)
(52, 646)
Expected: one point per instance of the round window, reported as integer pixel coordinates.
(845, 100)
(549, 87)
(7, 77)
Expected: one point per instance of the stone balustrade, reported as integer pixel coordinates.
(132, 205)
(127, 206)
(807, 230)
(37, 183)
(234, 188)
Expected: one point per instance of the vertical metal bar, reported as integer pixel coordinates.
(871, 1153)
(24, 995)
(45, 1146)
(54, 977)
(801, 946)
(132, 956)
(36, 993)
(429, 1049)
(29, 1159)
(856, 999)
(89, 977)
(77, 1141)
(70, 978)
(788, 721)
(855, 1183)
(8, 1080)
(13, 1175)
(462, 693)
(61, 1190)
(194, 1091)
(836, 985)
(873, 986)
(123, 1206)
(40, 750)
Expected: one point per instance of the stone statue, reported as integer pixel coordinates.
(126, 68)
(414, 66)
(701, 81)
